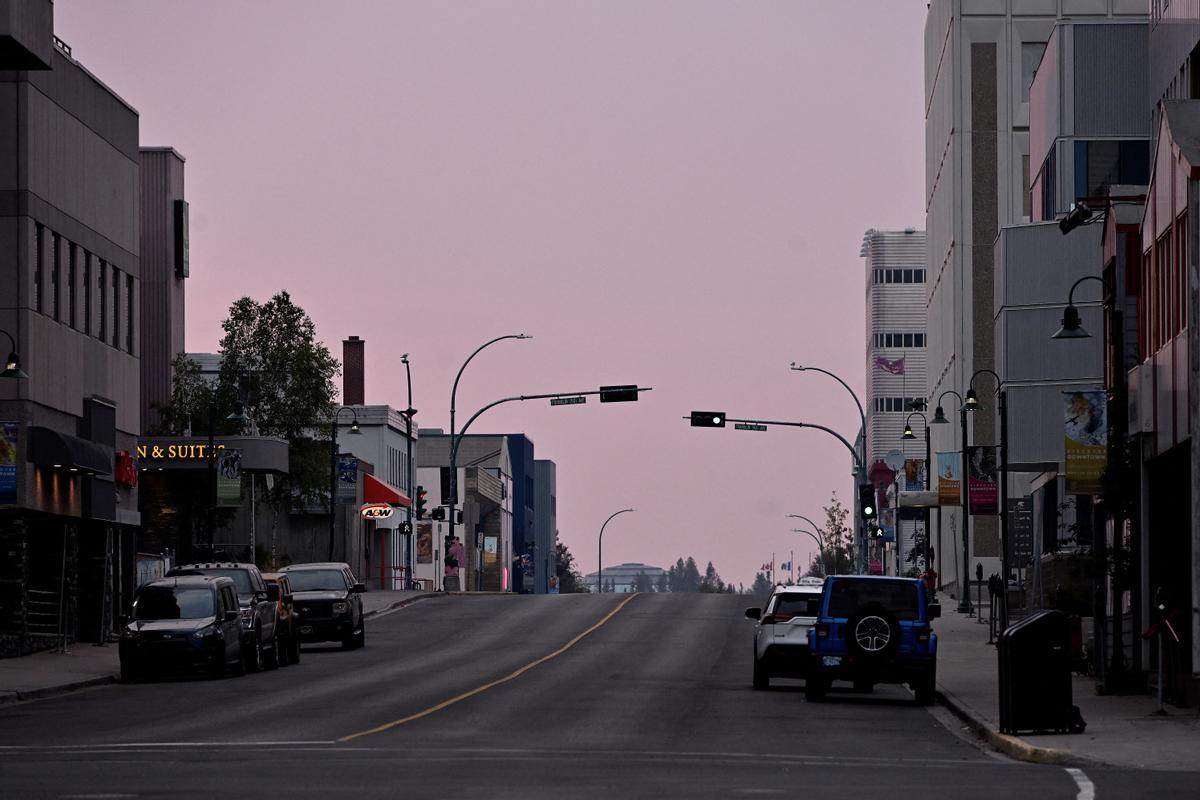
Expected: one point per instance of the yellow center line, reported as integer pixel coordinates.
(480, 689)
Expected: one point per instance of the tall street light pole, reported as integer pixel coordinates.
(862, 457)
(939, 418)
(410, 537)
(908, 434)
(816, 537)
(600, 550)
(453, 409)
(971, 404)
(333, 469)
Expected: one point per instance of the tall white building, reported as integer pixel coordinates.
(980, 59)
(896, 362)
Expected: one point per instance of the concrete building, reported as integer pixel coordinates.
(545, 526)
(980, 58)
(485, 498)
(624, 577)
(896, 366)
(69, 255)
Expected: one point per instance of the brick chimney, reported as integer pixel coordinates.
(353, 377)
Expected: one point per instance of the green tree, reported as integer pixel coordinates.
(642, 582)
(569, 579)
(761, 585)
(675, 576)
(711, 583)
(691, 576)
(661, 585)
(837, 542)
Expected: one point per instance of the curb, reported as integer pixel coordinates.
(408, 601)
(1013, 746)
(10, 698)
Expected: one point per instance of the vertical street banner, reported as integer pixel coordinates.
(913, 479)
(347, 479)
(229, 478)
(1020, 532)
(949, 483)
(8, 463)
(424, 542)
(982, 477)
(1086, 440)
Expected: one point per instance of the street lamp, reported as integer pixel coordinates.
(972, 404)
(333, 468)
(862, 459)
(1072, 327)
(408, 413)
(600, 551)
(908, 434)
(815, 538)
(939, 418)
(12, 364)
(453, 411)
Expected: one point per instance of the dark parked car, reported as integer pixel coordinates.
(329, 602)
(257, 609)
(873, 629)
(188, 622)
(279, 588)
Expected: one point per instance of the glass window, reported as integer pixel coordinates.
(846, 597)
(54, 284)
(1031, 57)
(318, 580)
(39, 258)
(102, 293)
(71, 253)
(129, 314)
(87, 293)
(163, 602)
(908, 276)
(908, 340)
(116, 307)
(919, 340)
(920, 276)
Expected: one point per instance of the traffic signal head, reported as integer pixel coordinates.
(438, 513)
(866, 501)
(708, 419)
(420, 504)
(625, 393)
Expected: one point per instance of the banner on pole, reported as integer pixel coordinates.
(983, 480)
(229, 478)
(949, 484)
(1086, 440)
(8, 463)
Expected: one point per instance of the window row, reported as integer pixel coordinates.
(79, 289)
(899, 276)
(1163, 293)
(899, 340)
(892, 404)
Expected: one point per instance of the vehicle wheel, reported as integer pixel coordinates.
(864, 687)
(253, 658)
(128, 673)
(270, 656)
(360, 639)
(815, 689)
(925, 688)
(761, 679)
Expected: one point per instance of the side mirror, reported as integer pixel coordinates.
(358, 588)
(231, 616)
(934, 610)
(273, 591)
(754, 613)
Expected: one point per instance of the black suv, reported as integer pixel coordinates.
(182, 623)
(873, 629)
(329, 603)
(257, 612)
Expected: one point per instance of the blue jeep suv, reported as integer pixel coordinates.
(873, 629)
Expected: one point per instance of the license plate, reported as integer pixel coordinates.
(831, 661)
(306, 628)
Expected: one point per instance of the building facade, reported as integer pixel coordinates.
(545, 526)
(980, 59)
(70, 255)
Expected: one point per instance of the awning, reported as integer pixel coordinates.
(50, 448)
(377, 491)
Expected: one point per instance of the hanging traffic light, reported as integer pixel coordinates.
(421, 495)
(866, 501)
(708, 419)
(438, 513)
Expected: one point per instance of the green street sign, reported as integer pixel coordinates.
(567, 401)
(746, 426)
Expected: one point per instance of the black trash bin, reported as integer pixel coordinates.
(1035, 675)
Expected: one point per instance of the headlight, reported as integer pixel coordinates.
(208, 630)
(246, 615)
(341, 607)
(129, 633)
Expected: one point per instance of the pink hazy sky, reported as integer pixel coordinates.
(666, 193)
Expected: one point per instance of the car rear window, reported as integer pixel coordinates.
(161, 602)
(318, 580)
(241, 578)
(900, 598)
(798, 605)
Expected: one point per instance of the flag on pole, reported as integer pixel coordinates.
(785, 566)
(896, 366)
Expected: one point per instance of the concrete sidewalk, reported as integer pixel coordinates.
(47, 674)
(1122, 730)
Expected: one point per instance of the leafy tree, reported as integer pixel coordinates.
(569, 579)
(675, 576)
(761, 585)
(642, 582)
(691, 576)
(837, 542)
(711, 583)
(662, 584)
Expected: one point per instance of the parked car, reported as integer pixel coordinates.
(187, 622)
(873, 629)
(279, 588)
(781, 635)
(257, 612)
(329, 602)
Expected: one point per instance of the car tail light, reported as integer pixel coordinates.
(782, 616)
(822, 630)
(922, 634)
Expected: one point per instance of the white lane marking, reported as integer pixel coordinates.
(1087, 789)
(159, 745)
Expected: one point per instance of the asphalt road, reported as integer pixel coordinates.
(501, 697)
